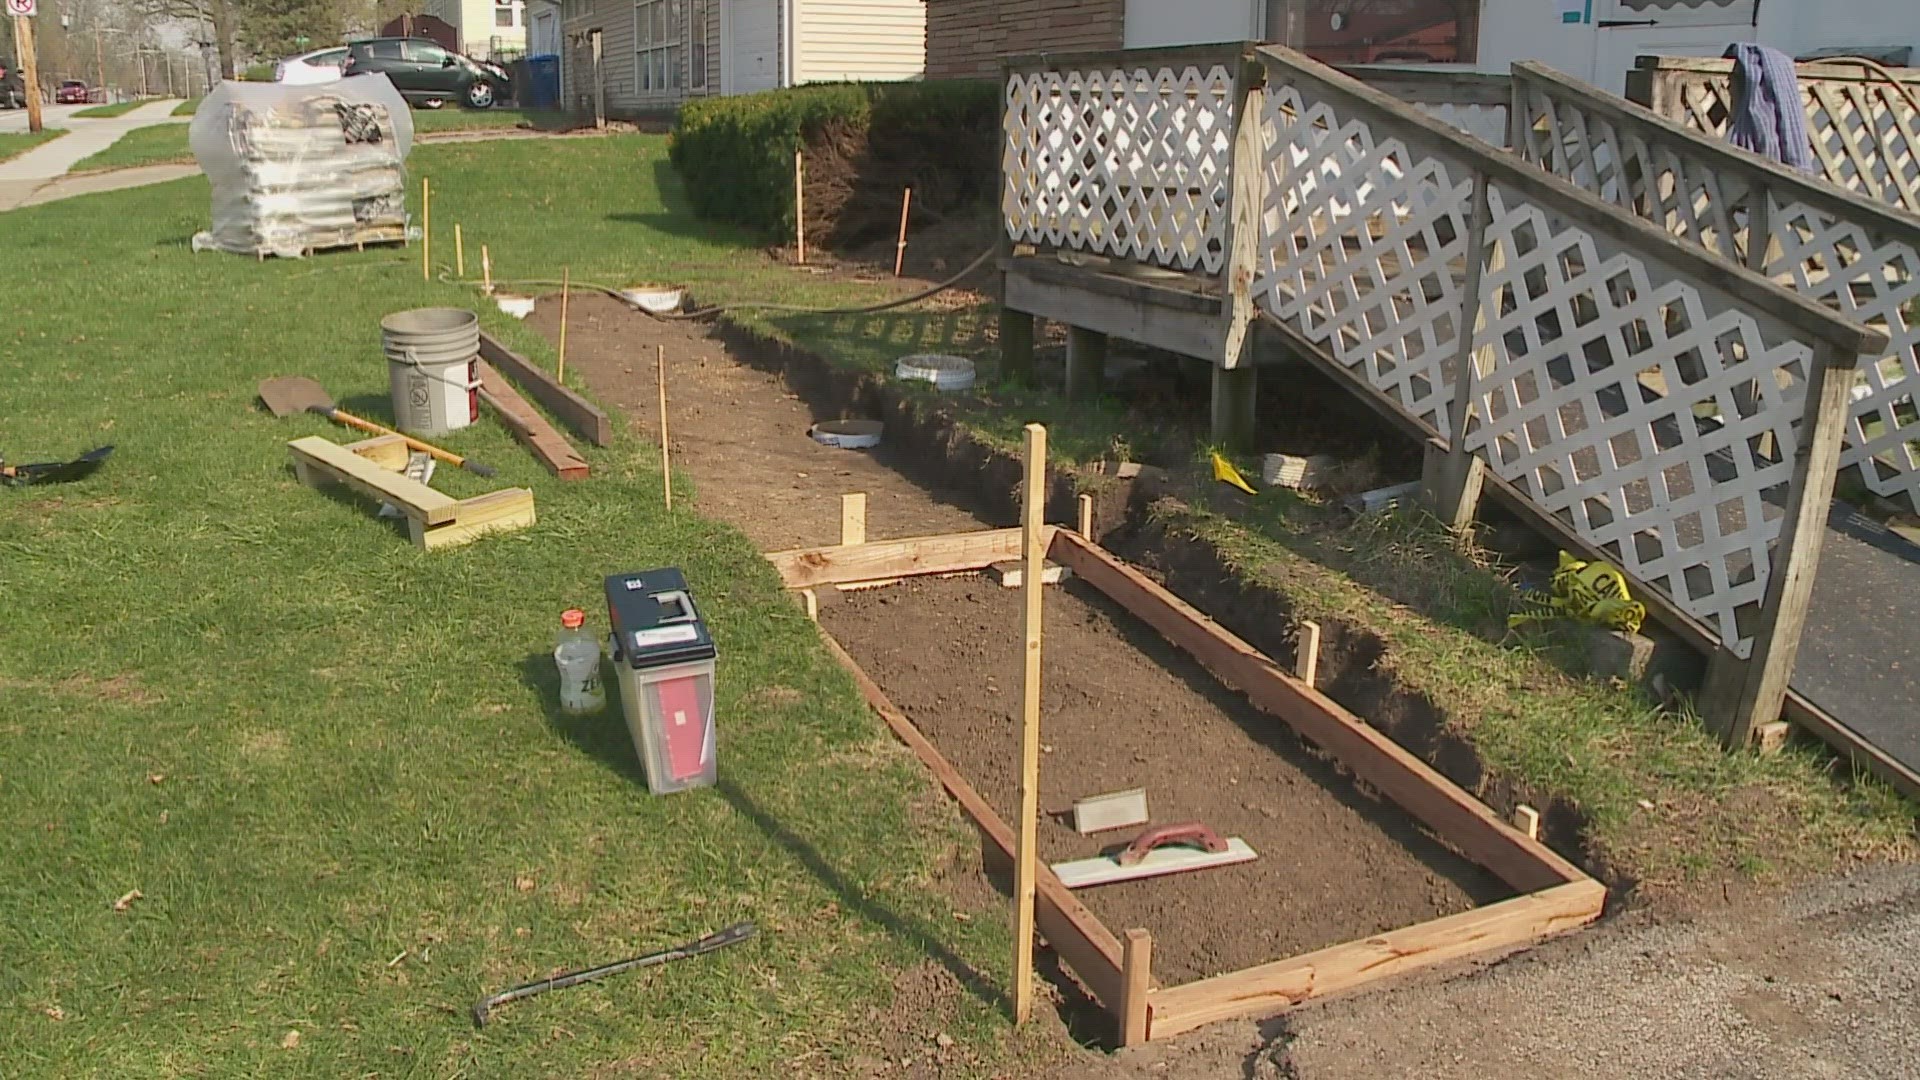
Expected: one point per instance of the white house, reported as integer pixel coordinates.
(1595, 40)
(655, 54)
(487, 28)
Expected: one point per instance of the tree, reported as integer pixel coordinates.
(214, 18)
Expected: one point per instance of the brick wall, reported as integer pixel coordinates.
(967, 38)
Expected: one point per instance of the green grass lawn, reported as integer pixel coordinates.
(331, 764)
(158, 144)
(15, 143)
(454, 118)
(187, 107)
(120, 108)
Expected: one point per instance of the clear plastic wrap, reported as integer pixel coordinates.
(302, 168)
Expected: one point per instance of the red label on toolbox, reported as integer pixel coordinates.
(686, 726)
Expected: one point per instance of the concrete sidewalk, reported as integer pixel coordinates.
(22, 177)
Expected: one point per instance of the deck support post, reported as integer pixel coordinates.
(1016, 345)
(1741, 699)
(1086, 363)
(1452, 476)
(1234, 390)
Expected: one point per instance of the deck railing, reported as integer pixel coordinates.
(1857, 256)
(1865, 130)
(1675, 412)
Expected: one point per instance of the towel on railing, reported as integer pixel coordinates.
(1768, 117)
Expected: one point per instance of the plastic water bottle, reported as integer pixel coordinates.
(577, 655)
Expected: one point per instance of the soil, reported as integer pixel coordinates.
(1122, 709)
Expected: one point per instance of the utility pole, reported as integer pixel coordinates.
(100, 66)
(29, 67)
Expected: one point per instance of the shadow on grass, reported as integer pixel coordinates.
(604, 736)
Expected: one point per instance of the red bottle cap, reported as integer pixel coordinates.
(573, 618)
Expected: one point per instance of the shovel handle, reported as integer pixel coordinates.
(340, 417)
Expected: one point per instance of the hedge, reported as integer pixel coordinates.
(736, 153)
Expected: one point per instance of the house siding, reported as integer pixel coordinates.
(837, 40)
(619, 62)
(966, 39)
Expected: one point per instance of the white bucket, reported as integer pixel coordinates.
(433, 368)
(948, 373)
(655, 299)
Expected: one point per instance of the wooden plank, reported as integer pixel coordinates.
(1086, 873)
(1188, 333)
(1458, 818)
(1033, 504)
(1276, 987)
(386, 451)
(1856, 751)
(1136, 974)
(547, 445)
(952, 553)
(415, 499)
(853, 519)
(496, 511)
(581, 416)
(1762, 688)
(1089, 948)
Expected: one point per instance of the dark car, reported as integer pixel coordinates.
(71, 92)
(426, 74)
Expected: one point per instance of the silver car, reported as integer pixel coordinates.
(321, 65)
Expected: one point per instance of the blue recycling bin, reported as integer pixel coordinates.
(543, 82)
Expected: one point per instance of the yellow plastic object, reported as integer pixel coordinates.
(1224, 472)
(1589, 592)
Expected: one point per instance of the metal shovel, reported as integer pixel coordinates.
(293, 394)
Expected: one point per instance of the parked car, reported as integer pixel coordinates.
(321, 65)
(13, 91)
(71, 92)
(426, 74)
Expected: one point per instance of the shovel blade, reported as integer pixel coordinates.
(292, 394)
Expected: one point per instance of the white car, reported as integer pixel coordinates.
(323, 65)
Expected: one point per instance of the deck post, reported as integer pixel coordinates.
(1452, 481)
(1234, 391)
(1740, 699)
(1086, 363)
(1016, 345)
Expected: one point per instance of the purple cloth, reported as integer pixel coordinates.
(1768, 117)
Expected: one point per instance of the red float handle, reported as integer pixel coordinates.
(1189, 832)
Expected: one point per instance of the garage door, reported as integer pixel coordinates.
(753, 45)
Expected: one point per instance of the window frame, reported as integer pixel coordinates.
(658, 47)
(699, 42)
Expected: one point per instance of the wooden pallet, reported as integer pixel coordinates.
(434, 519)
(357, 239)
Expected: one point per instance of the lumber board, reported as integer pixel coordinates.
(386, 451)
(547, 445)
(417, 500)
(496, 511)
(581, 416)
(836, 564)
(1455, 816)
(1136, 993)
(1272, 988)
(1087, 946)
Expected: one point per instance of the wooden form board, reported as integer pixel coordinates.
(1556, 895)
(434, 519)
(548, 446)
(581, 416)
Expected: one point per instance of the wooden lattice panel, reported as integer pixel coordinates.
(1650, 415)
(1128, 163)
(1865, 265)
(1488, 123)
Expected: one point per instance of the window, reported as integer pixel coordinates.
(503, 13)
(657, 45)
(384, 50)
(1378, 31)
(425, 52)
(697, 44)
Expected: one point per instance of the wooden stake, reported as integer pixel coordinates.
(486, 271)
(1033, 497)
(853, 519)
(1306, 655)
(666, 455)
(426, 230)
(1527, 820)
(812, 601)
(900, 249)
(800, 206)
(566, 287)
(1136, 985)
(459, 253)
(1086, 516)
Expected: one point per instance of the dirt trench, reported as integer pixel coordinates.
(741, 406)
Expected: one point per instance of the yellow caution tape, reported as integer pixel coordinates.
(1589, 592)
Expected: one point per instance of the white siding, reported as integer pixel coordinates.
(619, 65)
(860, 39)
(752, 45)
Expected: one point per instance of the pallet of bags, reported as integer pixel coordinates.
(297, 169)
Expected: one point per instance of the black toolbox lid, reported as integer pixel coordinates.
(654, 621)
